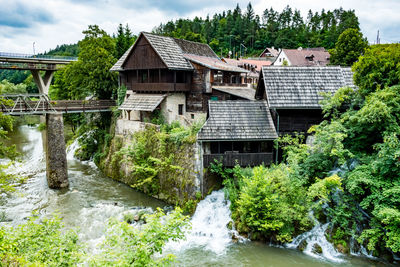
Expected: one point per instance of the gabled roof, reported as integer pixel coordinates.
(300, 57)
(213, 63)
(238, 120)
(270, 50)
(142, 102)
(243, 92)
(118, 65)
(178, 54)
(171, 51)
(301, 87)
(195, 48)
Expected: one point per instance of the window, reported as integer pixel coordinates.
(180, 109)
(214, 98)
(192, 116)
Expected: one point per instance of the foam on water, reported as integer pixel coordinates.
(209, 226)
(316, 236)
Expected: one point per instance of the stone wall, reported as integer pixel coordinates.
(181, 184)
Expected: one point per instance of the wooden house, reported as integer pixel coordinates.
(174, 76)
(237, 132)
(293, 94)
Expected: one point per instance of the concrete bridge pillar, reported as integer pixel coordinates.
(43, 84)
(56, 156)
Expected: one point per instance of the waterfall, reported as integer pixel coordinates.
(314, 238)
(71, 149)
(210, 226)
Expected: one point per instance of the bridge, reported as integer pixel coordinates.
(35, 63)
(40, 104)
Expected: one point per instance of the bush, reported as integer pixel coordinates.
(141, 246)
(43, 243)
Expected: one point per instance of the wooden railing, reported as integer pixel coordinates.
(159, 87)
(243, 159)
(73, 106)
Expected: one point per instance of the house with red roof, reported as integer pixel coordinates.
(302, 57)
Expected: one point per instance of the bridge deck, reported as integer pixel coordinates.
(32, 62)
(39, 104)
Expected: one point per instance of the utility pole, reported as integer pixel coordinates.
(245, 48)
(378, 40)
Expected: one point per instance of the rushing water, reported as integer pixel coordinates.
(92, 199)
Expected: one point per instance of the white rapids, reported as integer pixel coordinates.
(316, 236)
(210, 226)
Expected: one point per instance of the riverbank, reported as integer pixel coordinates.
(160, 161)
(92, 199)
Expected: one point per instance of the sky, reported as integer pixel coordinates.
(40, 25)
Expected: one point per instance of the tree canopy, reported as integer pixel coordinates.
(377, 68)
(349, 47)
(90, 75)
(287, 29)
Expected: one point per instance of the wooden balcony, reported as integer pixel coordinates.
(230, 159)
(159, 87)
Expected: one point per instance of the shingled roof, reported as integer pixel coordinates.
(213, 63)
(142, 102)
(242, 92)
(173, 52)
(238, 120)
(301, 87)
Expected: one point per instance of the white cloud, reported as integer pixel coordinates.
(49, 23)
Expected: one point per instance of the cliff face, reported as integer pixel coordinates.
(163, 165)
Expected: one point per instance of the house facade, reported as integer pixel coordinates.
(302, 57)
(293, 94)
(172, 77)
(237, 132)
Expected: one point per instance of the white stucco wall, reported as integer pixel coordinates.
(279, 60)
(169, 110)
(125, 127)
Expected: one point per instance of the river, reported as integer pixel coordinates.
(92, 199)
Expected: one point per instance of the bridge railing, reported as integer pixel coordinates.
(37, 56)
(41, 104)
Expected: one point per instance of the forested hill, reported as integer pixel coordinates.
(71, 50)
(227, 31)
(285, 29)
(20, 76)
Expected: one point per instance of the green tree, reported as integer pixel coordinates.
(377, 68)
(349, 47)
(90, 75)
(7, 181)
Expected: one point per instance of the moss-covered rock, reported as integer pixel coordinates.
(157, 163)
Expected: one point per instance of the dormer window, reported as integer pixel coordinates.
(310, 57)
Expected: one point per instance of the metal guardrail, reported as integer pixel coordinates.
(38, 56)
